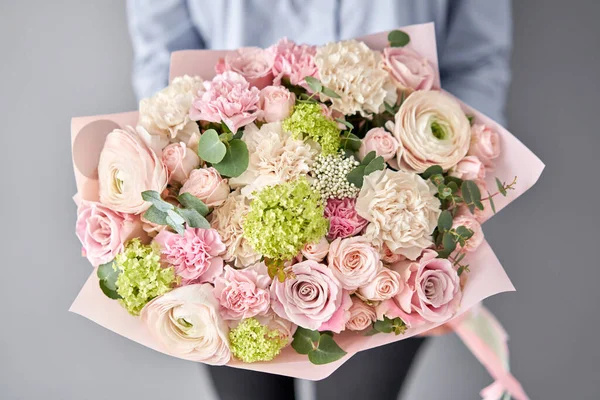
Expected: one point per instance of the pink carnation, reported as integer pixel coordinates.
(228, 98)
(253, 63)
(294, 62)
(195, 255)
(343, 219)
(243, 293)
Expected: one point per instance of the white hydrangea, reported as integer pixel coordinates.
(357, 75)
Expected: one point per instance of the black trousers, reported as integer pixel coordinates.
(377, 373)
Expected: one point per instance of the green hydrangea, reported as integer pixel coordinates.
(283, 218)
(308, 119)
(141, 276)
(251, 341)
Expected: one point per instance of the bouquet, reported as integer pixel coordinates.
(281, 209)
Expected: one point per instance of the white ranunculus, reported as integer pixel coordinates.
(401, 209)
(275, 157)
(166, 114)
(356, 73)
(432, 130)
(128, 167)
(187, 323)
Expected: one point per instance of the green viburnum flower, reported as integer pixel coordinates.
(308, 119)
(141, 276)
(251, 341)
(283, 218)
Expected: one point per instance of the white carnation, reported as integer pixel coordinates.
(356, 74)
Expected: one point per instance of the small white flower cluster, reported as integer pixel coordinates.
(330, 176)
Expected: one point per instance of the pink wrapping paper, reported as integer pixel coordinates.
(487, 277)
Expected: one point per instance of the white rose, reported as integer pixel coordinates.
(187, 323)
(361, 315)
(384, 286)
(357, 75)
(128, 167)
(432, 130)
(401, 209)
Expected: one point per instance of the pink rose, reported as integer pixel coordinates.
(195, 255)
(228, 98)
(207, 185)
(353, 261)
(431, 293)
(362, 315)
(344, 221)
(102, 232)
(408, 69)
(294, 62)
(339, 319)
(389, 257)
(485, 144)
(469, 168)
(310, 298)
(276, 103)
(180, 161)
(253, 63)
(469, 221)
(242, 293)
(381, 142)
(386, 284)
(316, 251)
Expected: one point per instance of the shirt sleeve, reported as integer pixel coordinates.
(475, 59)
(157, 28)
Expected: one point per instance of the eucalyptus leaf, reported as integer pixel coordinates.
(190, 201)
(433, 170)
(356, 176)
(346, 123)
(368, 158)
(156, 216)
(235, 161)
(350, 141)
(304, 340)
(471, 195)
(210, 147)
(108, 274)
(175, 217)
(445, 221)
(153, 197)
(377, 164)
(449, 242)
(193, 218)
(108, 291)
(314, 84)
(177, 227)
(398, 38)
(330, 93)
(326, 352)
(464, 232)
(383, 326)
(492, 202)
(501, 188)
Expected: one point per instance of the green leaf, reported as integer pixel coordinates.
(445, 221)
(356, 176)
(444, 191)
(492, 202)
(449, 242)
(210, 147)
(314, 84)
(238, 134)
(383, 326)
(398, 38)
(193, 218)
(235, 161)
(348, 124)
(175, 217)
(304, 340)
(156, 216)
(327, 351)
(330, 93)
(452, 179)
(433, 170)
(350, 141)
(190, 201)
(389, 108)
(471, 119)
(376, 164)
(175, 221)
(453, 187)
(109, 292)
(471, 195)
(501, 188)
(154, 198)
(107, 275)
(464, 232)
(368, 158)
(372, 332)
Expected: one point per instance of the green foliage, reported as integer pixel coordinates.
(398, 38)
(236, 159)
(433, 170)
(445, 221)
(388, 325)
(190, 201)
(368, 165)
(471, 195)
(321, 348)
(210, 147)
(350, 141)
(317, 87)
(107, 275)
(164, 213)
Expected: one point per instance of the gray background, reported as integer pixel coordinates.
(68, 58)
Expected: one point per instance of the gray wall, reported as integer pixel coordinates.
(66, 58)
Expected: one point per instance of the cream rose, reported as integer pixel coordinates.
(128, 167)
(381, 142)
(275, 103)
(207, 185)
(431, 129)
(470, 222)
(469, 168)
(386, 284)
(187, 323)
(353, 261)
(316, 251)
(180, 161)
(401, 209)
(362, 315)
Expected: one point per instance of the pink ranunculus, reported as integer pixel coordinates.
(253, 63)
(485, 144)
(180, 161)
(310, 298)
(432, 290)
(381, 142)
(386, 284)
(316, 251)
(344, 221)
(207, 185)
(195, 256)
(469, 168)
(228, 98)
(362, 315)
(242, 293)
(408, 69)
(276, 103)
(294, 62)
(469, 221)
(337, 322)
(353, 261)
(103, 232)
